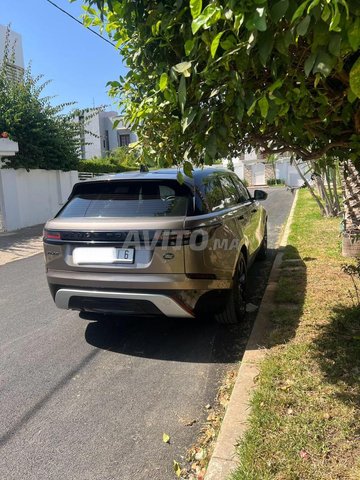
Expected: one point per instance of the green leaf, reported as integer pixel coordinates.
(312, 5)
(166, 438)
(277, 84)
(180, 179)
(325, 13)
(182, 93)
(163, 81)
(195, 8)
(215, 44)
(354, 34)
(335, 20)
(334, 44)
(266, 44)
(355, 78)
(189, 45)
(351, 96)
(182, 67)
(188, 169)
(187, 118)
(303, 26)
(239, 19)
(309, 64)
(260, 19)
(229, 42)
(264, 106)
(300, 10)
(211, 146)
(252, 108)
(324, 63)
(278, 10)
(211, 12)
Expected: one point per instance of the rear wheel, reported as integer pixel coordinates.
(235, 306)
(262, 253)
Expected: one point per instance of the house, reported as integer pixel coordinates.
(99, 135)
(11, 45)
(256, 171)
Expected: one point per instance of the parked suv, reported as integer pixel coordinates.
(145, 244)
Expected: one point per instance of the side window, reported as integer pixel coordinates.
(243, 193)
(231, 193)
(214, 197)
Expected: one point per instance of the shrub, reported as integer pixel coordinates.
(277, 181)
(101, 165)
(47, 138)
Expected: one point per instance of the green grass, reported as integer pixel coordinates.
(304, 422)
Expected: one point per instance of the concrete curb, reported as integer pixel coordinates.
(224, 459)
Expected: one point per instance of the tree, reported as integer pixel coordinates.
(212, 79)
(230, 164)
(271, 160)
(47, 139)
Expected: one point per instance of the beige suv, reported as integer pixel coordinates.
(145, 244)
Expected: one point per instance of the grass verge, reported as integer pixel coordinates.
(304, 422)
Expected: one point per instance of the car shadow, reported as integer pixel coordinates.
(181, 340)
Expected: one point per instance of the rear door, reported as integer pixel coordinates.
(217, 255)
(250, 222)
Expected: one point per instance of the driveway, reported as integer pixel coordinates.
(89, 400)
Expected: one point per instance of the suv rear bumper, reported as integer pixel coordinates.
(135, 281)
(127, 302)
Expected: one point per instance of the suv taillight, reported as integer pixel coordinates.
(50, 235)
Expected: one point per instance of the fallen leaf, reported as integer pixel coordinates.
(166, 438)
(326, 416)
(201, 454)
(177, 468)
(190, 424)
(304, 454)
(208, 406)
(250, 308)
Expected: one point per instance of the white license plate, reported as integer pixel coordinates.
(102, 255)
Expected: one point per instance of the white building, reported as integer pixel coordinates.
(12, 42)
(100, 137)
(253, 168)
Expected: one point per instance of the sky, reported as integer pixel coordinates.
(78, 62)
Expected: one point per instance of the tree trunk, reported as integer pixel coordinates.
(315, 197)
(351, 222)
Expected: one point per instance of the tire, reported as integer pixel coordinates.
(262, 253)
(235, 306)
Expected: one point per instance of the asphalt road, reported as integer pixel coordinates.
(90, 400)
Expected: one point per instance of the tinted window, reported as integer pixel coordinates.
(129, 199)
(243, 193)
(231, 193)
(213, 194)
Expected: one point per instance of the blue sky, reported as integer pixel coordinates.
(77, 61)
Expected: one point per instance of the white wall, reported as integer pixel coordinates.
(30, 198)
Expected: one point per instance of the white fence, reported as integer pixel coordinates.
(30, 198)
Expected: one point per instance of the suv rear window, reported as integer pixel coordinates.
(165, 198)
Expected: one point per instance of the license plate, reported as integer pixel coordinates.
(124, 255)
(102, 255)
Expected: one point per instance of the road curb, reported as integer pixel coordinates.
(224, 459)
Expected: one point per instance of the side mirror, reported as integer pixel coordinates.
(260, 195)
